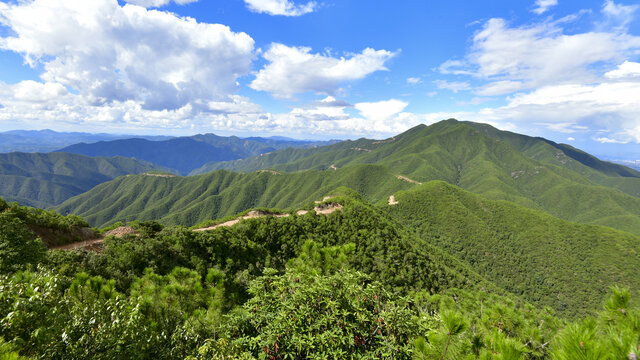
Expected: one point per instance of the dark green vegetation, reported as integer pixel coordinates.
(531, 172)
(194, 199)
(44, 180)
(473, 265)
(351, 284)
(546, 260)
(51, 228)
(185, 154)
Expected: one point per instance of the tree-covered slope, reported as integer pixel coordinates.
(600, 172)
(44, 180)
(548, 261)
(185, 154)
(502, 166)
(193, 199)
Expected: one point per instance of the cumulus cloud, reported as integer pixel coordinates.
(35, 92)
(111, 53)
(414, 80)
(280, 7)
(381, 110)
(543, 5)
(626, 70)
(294, 70)
(539, 54)
(158, 3)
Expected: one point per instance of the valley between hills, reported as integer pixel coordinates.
(449, 241)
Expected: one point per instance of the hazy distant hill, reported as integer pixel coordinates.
(45, 180)
(49, 140)
(532, 172)
(185, 154)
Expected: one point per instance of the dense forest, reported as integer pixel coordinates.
(350, 284)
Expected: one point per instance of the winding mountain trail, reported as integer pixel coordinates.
(325, 209)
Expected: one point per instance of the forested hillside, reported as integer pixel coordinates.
(190, 200)
(531, 172)
(45, 180)
(184, 154)
(549, 261)
(350, 283)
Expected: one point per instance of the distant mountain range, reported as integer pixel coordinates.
(532, 172)
(184, 154)
(49, 140)
(45, 180)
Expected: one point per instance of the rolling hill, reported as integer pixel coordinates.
(45, 180)
(531, 172)
(189, 200)
(185, 154)
(548, 261)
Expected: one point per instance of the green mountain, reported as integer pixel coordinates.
(350, 283)
(190, 200)
(44, 180)
(185, 154)
(531, 172)
(548, 261)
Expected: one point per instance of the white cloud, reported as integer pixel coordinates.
(381, 110)
(293, 70)
(543, 5)
(626, 70)
(570, 138)
(499, 88)
(35, 92)
(617, 16)
(414, 80)
(280, 7)
(158, 3)
(111, 53)
(237, 104)
(606, 140)
(454, 86)
(540, 54)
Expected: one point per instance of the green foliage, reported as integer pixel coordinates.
(615, 335)
(191, 200)
(48, 179)
(19, 247)
(530, 172)
(546, 260)
(50, 226)
(343, 315)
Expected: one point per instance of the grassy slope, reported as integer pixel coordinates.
(549, 261)
(45, 180)
(499, 165)
(190, 200)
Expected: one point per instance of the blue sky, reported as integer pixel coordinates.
(565, 70)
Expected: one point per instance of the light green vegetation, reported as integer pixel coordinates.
(548, 261)
(44, 180)
(531, 172)
(191, 200)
